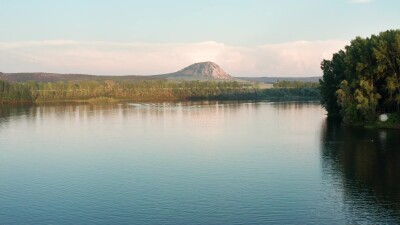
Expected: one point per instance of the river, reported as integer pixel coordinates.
(194, 163)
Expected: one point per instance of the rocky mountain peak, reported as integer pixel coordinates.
(205, 69)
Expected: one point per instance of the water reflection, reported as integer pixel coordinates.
(193, 163)
(283, 106)
(7, 111)
(364, 165)
(161, 163)
(83, 112)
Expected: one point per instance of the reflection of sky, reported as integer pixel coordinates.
(205, 162)
(211, 129)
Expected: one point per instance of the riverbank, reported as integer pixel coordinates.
(392, 122)
(110, 100)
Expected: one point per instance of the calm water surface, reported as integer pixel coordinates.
(194, 163)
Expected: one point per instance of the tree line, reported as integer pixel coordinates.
(362, 81)
(295, 84)
(143, 90)
(300, 93)
(152, 90)
(288, 90)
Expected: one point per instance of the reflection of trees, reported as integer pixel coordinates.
(294, 105)
(84, 111)
(13, 110)
(366, 165)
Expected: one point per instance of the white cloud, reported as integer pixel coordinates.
(300, 58)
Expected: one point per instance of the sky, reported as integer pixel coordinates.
(245, 37)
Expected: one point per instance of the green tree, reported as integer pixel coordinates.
(363, 79)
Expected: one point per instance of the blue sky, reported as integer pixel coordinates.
(243, 27)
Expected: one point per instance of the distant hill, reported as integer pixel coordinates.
(271, 80)
(54, 77)
(198, 71)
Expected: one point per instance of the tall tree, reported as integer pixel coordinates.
(363, 79)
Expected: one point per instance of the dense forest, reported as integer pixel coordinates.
(151, 90)
(288, 90)
(142, 90)
(363, 81)
(10, 93)
(295, 84)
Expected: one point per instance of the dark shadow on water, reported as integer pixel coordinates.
(363, 164)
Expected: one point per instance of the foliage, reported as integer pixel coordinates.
(362, 81)
(295, 84)
(394, 118)
(13, 93)
(142, 90)
(333, 75)
(291, 93)
(106, 91)
(292, 90)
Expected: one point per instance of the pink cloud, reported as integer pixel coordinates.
(300, 58)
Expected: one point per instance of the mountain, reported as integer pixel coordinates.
(202, 71)
(199, 71)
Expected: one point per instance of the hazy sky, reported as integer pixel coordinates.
(247, 37)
